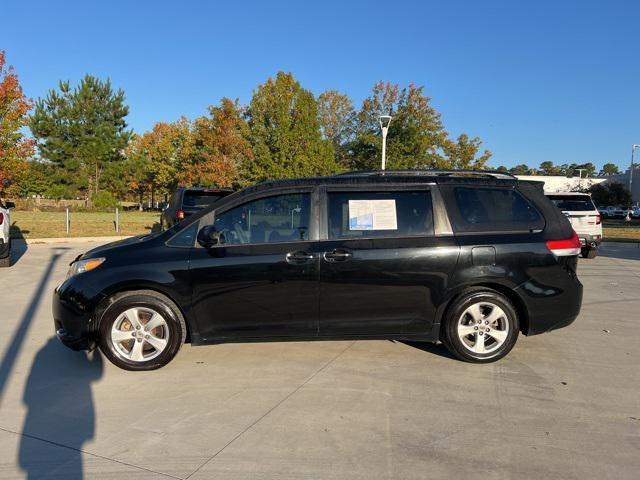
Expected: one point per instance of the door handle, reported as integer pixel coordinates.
(299, 257)
(337, 255)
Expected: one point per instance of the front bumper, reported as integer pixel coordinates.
(72, 319)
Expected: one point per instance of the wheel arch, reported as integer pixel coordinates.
(510, 293)
(111, 295)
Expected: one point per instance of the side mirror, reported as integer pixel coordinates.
(209, 237)
(9, 205)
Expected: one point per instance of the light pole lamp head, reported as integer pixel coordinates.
(385, 121)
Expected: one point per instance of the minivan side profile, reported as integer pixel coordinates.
(471, 259)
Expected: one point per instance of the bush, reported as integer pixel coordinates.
(104, 200)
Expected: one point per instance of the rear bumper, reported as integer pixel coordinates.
(587, 239)
(5, 248)
(555, 304)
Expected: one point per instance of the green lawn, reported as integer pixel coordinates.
(83, 224)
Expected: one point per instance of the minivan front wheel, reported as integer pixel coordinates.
(481, 326)
(141, 331)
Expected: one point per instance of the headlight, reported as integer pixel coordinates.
(82, 266)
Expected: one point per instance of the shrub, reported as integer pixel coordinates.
(104, 200)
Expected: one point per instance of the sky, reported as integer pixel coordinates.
(538, 80)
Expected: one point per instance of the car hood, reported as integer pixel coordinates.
(102, 249)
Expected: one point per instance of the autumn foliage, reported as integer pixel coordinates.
(14, 106)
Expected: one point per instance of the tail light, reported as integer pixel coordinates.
(565, 248)
(598, 219)
(180, 214)
(1, 218)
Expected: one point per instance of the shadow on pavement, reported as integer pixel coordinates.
(435, 348)
(60, 411)
(624, 251)
(18, 249)
(12, 351)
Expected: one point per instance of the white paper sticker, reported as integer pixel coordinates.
(372, 215)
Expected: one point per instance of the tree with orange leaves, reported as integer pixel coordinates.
(14, 106)
(221, 146)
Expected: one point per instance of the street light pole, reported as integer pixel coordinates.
(385, 121)
(633, 150)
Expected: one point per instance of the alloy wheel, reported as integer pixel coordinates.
(140, 334)
(483, 327)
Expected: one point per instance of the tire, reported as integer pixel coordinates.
(6, 261)
(589, 252)
(464, 315)
(128, 315)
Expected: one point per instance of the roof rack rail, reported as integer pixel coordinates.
(435, 172)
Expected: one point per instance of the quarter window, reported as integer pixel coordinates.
(379, 214)
(494, 209)
(282, 218)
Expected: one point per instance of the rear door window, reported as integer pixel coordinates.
(573, 203)
(493, 209)
(360, 214)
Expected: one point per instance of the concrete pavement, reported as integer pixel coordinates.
(564, 405)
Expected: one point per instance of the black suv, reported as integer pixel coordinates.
(469, 259)
(186, 201)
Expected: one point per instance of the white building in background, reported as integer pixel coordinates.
(559, 183)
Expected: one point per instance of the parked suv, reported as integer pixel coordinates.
(585, 219)
(468, 259)
(186, 201)
(5, 239)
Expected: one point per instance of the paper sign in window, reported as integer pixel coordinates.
(372, 215)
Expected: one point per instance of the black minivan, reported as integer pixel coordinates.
(467, 258)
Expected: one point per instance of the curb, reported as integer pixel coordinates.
(42, 241)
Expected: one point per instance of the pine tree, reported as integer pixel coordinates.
(82, 130)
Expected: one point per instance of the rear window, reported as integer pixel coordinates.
(379, 214)
(201, 199)
(494, 209)
(573, 203)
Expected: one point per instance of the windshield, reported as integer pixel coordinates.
(201, 199)
(573, 203)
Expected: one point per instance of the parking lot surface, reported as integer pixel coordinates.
(564, 405)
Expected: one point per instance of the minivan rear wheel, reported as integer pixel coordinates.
(481, 326)
(141, 330)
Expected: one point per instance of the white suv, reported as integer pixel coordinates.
(5, 241)
(584, 217)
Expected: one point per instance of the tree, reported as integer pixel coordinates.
(416, 135)
(83, 130)
(583, 170)
(462, 154)
(337, 122)
(610, 194)
(221, 146)
(548, 168)
(165, 154)
(285, 133)
(416, 138)
(609, 169)
(14, 106)
(521, 169)
(502, 169)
